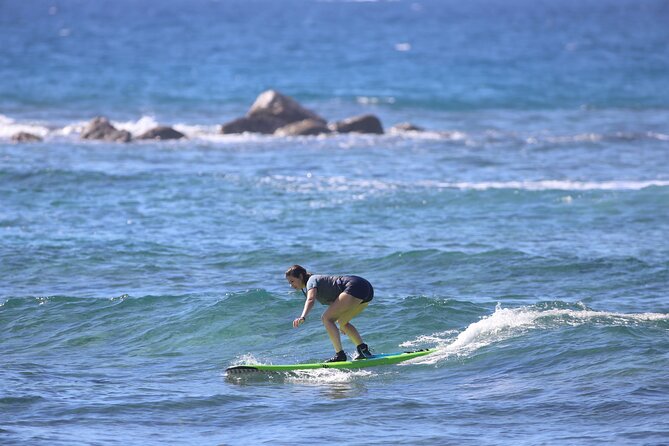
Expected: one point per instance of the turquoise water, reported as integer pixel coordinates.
(524, 234)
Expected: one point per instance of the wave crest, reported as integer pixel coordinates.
(506, 323)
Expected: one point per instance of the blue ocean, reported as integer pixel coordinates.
(523, 231)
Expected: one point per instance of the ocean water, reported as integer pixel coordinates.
(524, 234)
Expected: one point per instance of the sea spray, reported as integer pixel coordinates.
(507, 323)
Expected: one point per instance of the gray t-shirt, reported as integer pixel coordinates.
(329, 287)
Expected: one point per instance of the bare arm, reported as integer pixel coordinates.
(308, 305)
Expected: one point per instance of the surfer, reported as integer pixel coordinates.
(345, 296)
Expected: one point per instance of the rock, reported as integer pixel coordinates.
(162, 133)
(273, 104)
(251, 125)
(358, 124)
(25, 137)
(303, 128)
(101, 128)
(406, 127)
(270, 111)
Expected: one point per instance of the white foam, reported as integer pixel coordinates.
(192, 131)
(311, 183)
(246, 359)
(435, 338)
(136, 128)
(506, 323)
(428, 135)
(567, 139)
(326, 376)
(197, 131)
(309, 376)
(343, 184)
(541, 185)
(233, 138)
(9, 127)
(72, 129)
(373, 100)
(658, 136)
(146, 123)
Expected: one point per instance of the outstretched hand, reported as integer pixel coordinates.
(297, 322)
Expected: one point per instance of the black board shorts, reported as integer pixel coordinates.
(358, 288)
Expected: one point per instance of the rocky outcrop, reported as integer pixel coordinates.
(101, 128)
(406, 127)
(251, 125)
(358, 124)
(25, 137)
(275, 105)
(162, 133)
(307, 127)
(269, 112)
(275, 113)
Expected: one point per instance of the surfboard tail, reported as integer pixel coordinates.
(241, 369)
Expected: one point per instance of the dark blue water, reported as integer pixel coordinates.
(524, 234)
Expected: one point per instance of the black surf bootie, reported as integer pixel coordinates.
(362, 352)
(338, 357)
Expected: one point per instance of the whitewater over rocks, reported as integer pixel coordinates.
(275, 113)
(272, 113)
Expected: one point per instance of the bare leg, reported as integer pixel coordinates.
(347, 327)
(333, 332)
(352, 333)
(342, 310)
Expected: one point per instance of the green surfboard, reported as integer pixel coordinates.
(376, 360)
